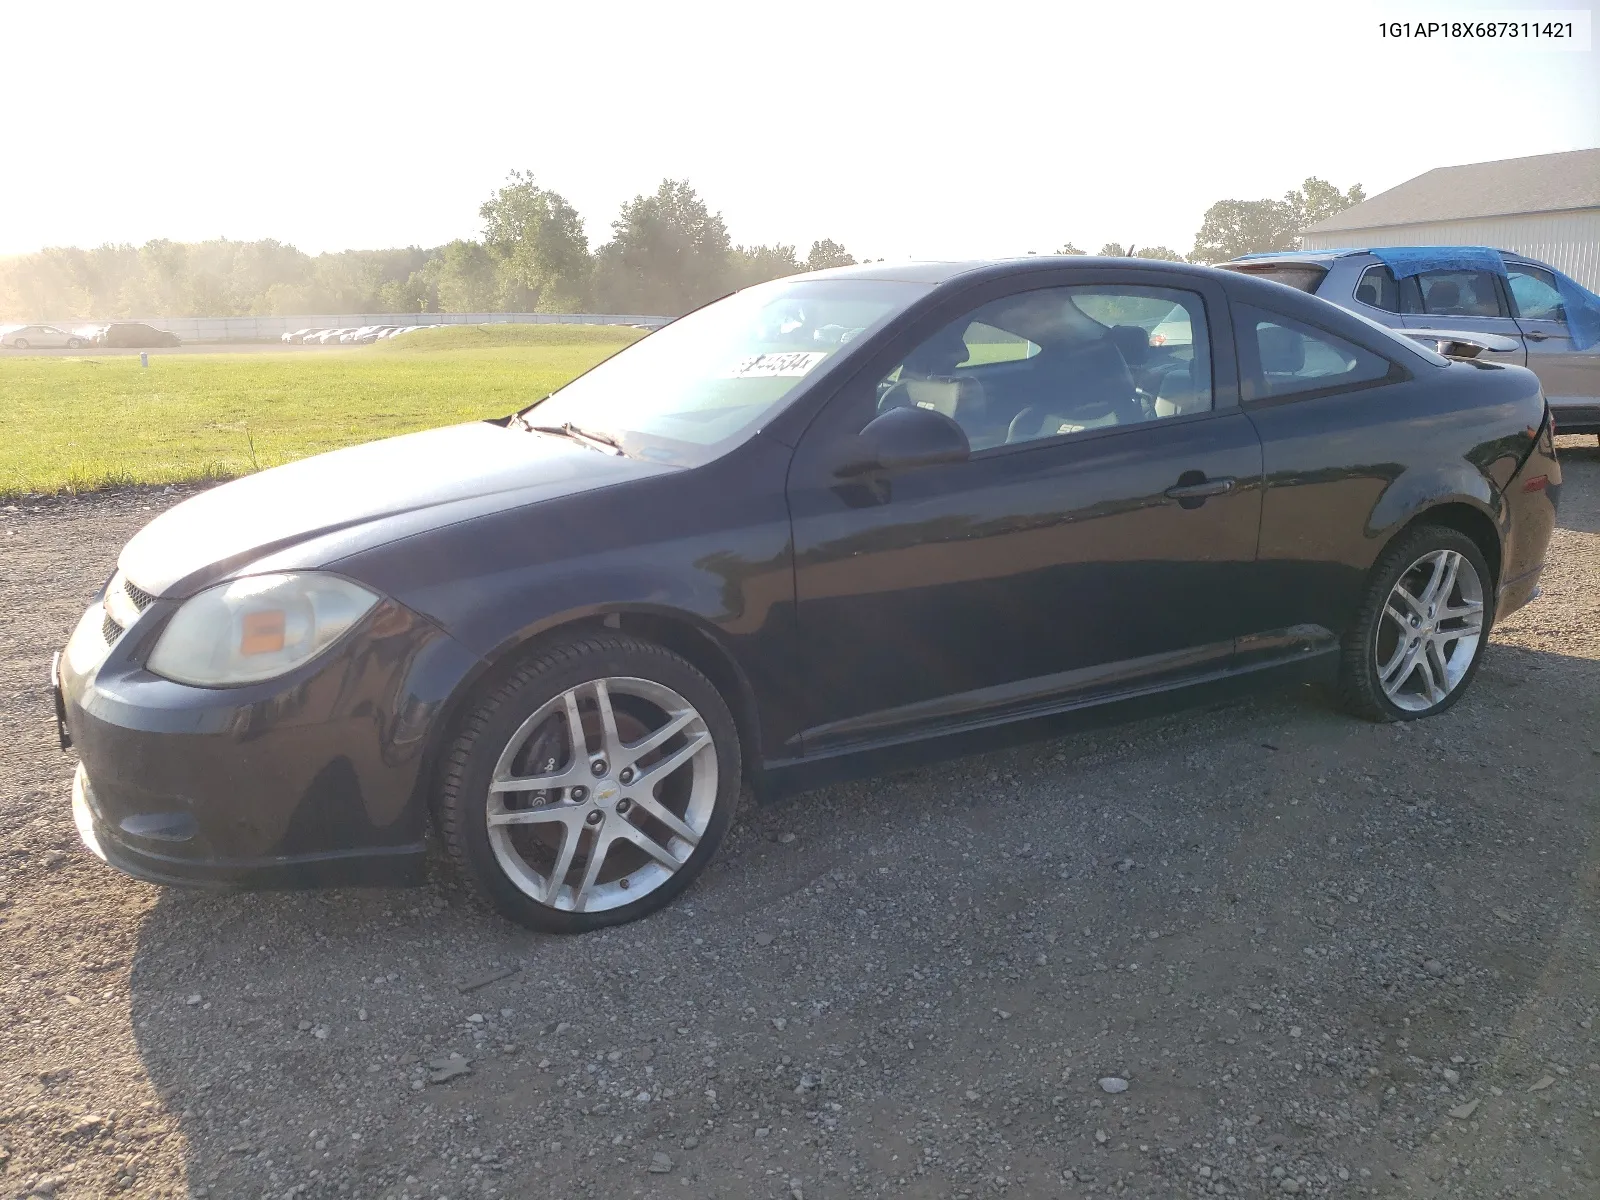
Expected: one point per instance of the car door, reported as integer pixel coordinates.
(1091, 544)
(1331, 413)
(1569, 374)
(1464, 300)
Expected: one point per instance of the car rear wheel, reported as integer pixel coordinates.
(1423, 626)
(592, 786)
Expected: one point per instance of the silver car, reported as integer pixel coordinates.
(41, 337)
(1552, 324)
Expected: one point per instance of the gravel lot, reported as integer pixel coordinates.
(1325, 957)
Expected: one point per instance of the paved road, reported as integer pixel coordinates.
(1329, 958)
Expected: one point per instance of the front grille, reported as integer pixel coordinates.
(141, 598)
(123, 603)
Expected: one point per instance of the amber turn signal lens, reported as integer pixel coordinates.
(263, 632)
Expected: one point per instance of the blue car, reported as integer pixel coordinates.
(1551, 322)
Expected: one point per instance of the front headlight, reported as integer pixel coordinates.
(258, 627)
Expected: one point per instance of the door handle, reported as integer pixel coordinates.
(1536, 335)
(1202, 490)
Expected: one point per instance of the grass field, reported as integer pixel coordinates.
(80, 423)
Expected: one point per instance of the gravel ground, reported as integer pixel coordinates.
(1260, 949)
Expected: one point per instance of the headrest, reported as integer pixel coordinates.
(1444, 294)
(1132, 342)
(940, 354)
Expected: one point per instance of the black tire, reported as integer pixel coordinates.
(20, 344)
(1360, 688)
(73, 343)
(462, 795)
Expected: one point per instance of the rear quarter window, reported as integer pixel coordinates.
(1378, 288)
(1288, 357)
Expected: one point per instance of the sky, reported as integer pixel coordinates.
(905, 130)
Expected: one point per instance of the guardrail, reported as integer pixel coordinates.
(270, 329)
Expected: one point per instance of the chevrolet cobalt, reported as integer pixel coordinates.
(825, 526)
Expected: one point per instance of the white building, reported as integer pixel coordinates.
(1546, 206)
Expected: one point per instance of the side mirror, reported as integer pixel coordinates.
(904, 439)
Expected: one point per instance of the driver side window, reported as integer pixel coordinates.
(1060, 361)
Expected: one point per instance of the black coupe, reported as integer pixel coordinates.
(824, 526)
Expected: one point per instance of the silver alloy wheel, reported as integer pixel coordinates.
(620, 816)
(1430, 629)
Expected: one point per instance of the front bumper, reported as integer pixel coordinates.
(319, 777)
(394, 865)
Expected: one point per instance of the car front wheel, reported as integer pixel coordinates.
(592, 786)
(73, 343)
(20, 344)
(1424, 622)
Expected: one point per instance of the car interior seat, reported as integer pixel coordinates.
(1483, 302)
(1283, 351)
(1089, 387)
(928, 380)
(1178, 396)
(1444, 297)
(1133, 343)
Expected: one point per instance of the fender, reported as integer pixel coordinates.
(623, 553)
(1414, 492)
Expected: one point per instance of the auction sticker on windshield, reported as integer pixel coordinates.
(768, 366)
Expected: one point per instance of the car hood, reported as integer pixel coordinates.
(361, 496)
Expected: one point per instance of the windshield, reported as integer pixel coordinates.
(1304, 277)
(702, 384)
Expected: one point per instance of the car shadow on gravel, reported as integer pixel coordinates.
(956, 947)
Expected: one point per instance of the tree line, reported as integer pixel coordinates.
(1234, 227)
(668, 252)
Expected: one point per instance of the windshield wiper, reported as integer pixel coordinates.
(592, 438)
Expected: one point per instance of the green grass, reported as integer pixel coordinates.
(78, 424)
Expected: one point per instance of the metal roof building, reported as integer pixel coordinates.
(1546, 206)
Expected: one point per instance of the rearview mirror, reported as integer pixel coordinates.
(904, 439)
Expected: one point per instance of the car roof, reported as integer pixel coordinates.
(936, 272)
(1268, 257)
(1260, 256)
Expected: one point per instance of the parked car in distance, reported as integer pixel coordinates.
(297, 336)
(829, 525)
(1552, 320)
(135, 335)
(41, 337)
